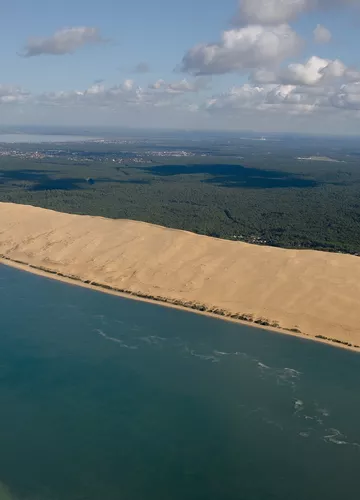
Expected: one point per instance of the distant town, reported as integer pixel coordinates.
(83, 156)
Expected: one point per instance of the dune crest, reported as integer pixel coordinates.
(312, 292)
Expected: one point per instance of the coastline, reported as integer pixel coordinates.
(308, 294)
(163, 302)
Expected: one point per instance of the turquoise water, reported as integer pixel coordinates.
(106, 398)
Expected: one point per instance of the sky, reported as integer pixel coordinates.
(261, 65)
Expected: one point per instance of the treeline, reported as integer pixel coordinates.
(283, 207)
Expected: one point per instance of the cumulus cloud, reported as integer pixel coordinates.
(181, 87)
(269, 12)
(273, 104)
(157, 85)
(13, 95)
(158, 94)
(282, 98)
(272, 12)
(128, 85)
(348, 97)
(322, 34)
(288, 99)
(96, 95)
(64, 41)
(241, 49)
(314, 71)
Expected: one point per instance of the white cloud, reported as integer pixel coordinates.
(158, 94)
(96, 95)
(316, 70)
(348, 97)
(10, 94)
(269, 12)
(282, 99)
(260, 98)
(313, 71)
(288, 99)
(64, 41)
(322, 34)
(272, 12)
(157, 85)
(242, 49)
(185, 86)
(128, 85)
(181, 87)
(246, 96)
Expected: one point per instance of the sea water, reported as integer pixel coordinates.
(104, 398)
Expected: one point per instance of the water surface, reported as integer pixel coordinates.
(40, 138)
(103, 398)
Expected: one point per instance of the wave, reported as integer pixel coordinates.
(323, 412)
(152, 340)
(204, 357)
(298, 406)
(336, 437)
(116, 341)
(262, 366)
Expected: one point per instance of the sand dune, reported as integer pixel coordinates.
(315, 292)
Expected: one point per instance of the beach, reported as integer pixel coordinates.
(305, 293)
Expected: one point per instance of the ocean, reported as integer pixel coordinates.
(105, 398)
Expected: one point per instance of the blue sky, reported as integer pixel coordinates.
(242, 73)
(158, 32)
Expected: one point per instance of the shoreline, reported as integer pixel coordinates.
(191, 307)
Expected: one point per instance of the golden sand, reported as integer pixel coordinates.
(316, 293)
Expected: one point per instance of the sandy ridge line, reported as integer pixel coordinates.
(301, 290)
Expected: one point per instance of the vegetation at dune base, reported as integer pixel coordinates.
(261, 198)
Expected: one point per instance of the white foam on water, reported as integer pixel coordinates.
(116, 341)
(292, 373)
(298, 406)
(236, 353)
(204, 357)
(288, 376)
(152, 340)
(334, 437)
(323, 412)
(337, 437)
(262, 366)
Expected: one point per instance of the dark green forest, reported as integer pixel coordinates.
(275, 199)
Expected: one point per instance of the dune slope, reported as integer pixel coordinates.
(315, 292)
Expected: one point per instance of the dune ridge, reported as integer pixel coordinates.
(311, 293)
